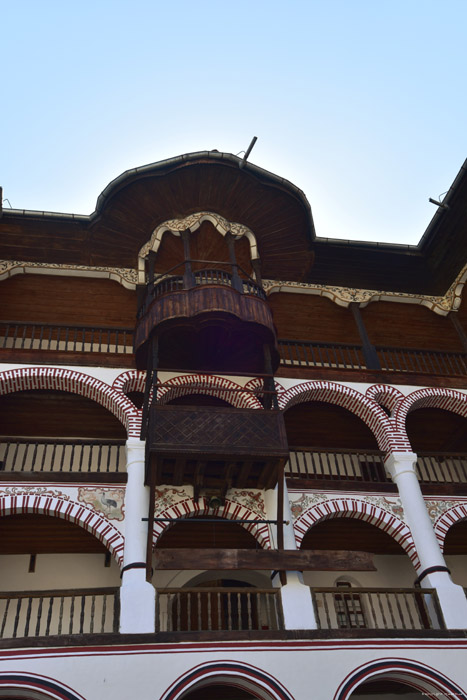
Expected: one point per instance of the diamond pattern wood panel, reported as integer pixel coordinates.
(213, 431)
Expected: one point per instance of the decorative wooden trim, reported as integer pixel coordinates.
(127, 277)
(344, 296)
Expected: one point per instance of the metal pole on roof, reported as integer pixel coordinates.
(247, 152)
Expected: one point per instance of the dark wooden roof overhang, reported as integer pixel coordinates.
(136, 202)
(427, 268)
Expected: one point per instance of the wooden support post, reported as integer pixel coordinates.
(151, 383)
(236, 281)
(188, 277)
(270, 396)
(256, 265)
(459, 328)
(152, 505)
(369, 350)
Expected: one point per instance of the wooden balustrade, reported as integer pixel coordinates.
(57, 455)
(367, 466)
(44, 613)
(301, 353)
(422, 361)
(15, 335)
(377, 608)
(168, 284)
(196, 609)
(319, 463)
(442, 468)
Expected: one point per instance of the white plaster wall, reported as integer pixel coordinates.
(55, 571)
(308, 670)
(393, 571)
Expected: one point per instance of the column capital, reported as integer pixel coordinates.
(135, 443)
(398, 463)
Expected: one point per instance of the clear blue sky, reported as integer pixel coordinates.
(360, 103)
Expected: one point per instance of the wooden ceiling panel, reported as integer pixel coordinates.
(56, 414)
(436, 430)
(352, 535)
(43, 534)
(409, 325)
(313, 318)
(319, 424)
(67, 300)
(200, 535)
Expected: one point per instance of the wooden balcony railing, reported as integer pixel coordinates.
(197, 609)
(16, 335)
(302, 353)
(44, 613)
(391, 359)
(57, 455)
(367, 466)
(377, 608)
(338, 464)
(442, 468)
(422, 361)
(200, 278)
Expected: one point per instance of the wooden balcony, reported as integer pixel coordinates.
(70, 344)
(438, 472)
(209, 319)
(215, 447)
(218, 609)
(406, 363)
(377, 609)
(59, 612)
(62, 460)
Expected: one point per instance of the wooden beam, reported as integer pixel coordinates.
(263, 559)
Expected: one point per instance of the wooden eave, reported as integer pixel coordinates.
(133, 205)
(138, 200)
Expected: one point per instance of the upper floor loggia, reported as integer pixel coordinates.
(221, 266)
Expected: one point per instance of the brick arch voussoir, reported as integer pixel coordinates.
(85, 517)
(220, 387)
(360, 510)
(426, 679)
(447, 399)
(261, 684)
(58, 379)
(360, 405)
(445, 521)
(230, 510)
(385, 395)
(133, 380)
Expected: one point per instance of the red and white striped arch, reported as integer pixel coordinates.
(58, 379)
(220, 387)
(230, 510)
(447, 399)
(361, 510)
(229, 673)
(133, 380)
(449, 518)
(28, 685)
(88, 519)
(385, 395)
(360, 405)
(422, 678)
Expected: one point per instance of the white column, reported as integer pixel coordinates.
(451, 597)
(137, 596)
(297, 604)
